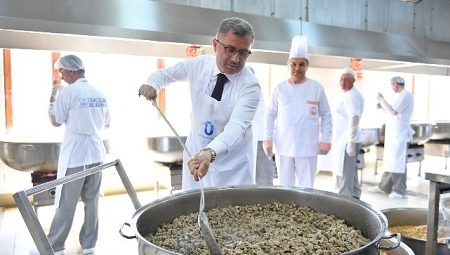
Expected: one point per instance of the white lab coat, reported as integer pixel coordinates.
(85, 112)
(298, 116)
(224, 126)
(398, 133)
(351, 104)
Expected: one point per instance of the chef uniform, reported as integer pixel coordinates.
(346, 132)
(84, 111)
(297, 117)
(224, 126)
(398, 134)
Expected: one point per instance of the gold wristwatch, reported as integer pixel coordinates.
(213, 154)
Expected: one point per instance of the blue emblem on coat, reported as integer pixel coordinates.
(209, 128)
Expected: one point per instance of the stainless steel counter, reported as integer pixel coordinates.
(439, 183)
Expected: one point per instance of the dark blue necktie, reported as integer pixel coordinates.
(218, 89)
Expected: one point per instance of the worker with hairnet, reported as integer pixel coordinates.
(297, 122)
(397, 136)
(346, 136)
(84, 111)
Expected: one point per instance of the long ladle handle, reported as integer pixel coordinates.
(202, 198)
(171, 127)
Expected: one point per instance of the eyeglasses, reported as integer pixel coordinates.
(61, 71)
(230, 51)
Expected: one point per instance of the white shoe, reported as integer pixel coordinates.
(89, 251)
(36, 252)
(375, 189)
(395, 195)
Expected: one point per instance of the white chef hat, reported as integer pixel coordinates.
(69, 62)
(299, 47)
(349, 71)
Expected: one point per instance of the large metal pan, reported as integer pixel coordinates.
(356, 213)
(32, 156)
(166, 149)
(412, 217)
(402, 249)
(422, 133)
(441, 130)
(369, 137)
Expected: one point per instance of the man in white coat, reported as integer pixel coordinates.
(221, 133)
(298, 122)
(397, 136)
(84, 111)
(346, 136)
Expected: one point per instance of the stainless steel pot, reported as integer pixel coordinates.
(32, 156)
(422, 133)
(369, 137)
(402, 249)
(166, 149)
(441, 130)
(356, 213)
(412, 217)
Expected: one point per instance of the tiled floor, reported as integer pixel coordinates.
(118, 209)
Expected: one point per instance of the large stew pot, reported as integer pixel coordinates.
(402, 249)
(33, 156)
(412, 217)
(358, 214)
(422, 133)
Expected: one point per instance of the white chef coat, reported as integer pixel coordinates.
(398, 133)
(84, 111)
(350, 104)
(224, 126)
(298, 116)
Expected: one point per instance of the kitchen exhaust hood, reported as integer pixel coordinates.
(162, 29)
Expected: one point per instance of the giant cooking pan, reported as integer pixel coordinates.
(33, 156)
(356, 213)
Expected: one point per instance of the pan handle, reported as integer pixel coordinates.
(395, 245)
(121, 231)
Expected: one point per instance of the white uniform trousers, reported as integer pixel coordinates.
(88, 188)
(298, 171)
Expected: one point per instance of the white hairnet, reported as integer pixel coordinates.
(349, 71)
(398, 80)
(69, 62)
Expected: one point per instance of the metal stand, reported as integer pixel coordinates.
(439, 183)
(30, 217)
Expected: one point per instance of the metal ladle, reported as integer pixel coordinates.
(202, 217)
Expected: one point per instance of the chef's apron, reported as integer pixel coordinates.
(69, 142)
(397, 136)
(63, 160)
(340, 129)
(233, 168)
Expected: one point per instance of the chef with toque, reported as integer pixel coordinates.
(224, 97)
(297, 122)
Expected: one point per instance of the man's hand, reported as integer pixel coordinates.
(267, 147)
(147, 91)
(199, 164)
(380, 97)
(351, 149)
(324, 148)
(55, 91)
